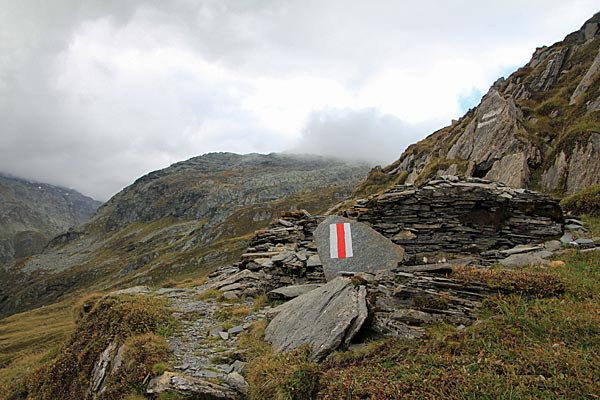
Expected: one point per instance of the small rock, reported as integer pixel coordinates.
(237, 382)
(235, 330)
(216, 331)
(313, 261)
(573, 227)
(231, 295)
(224, 335)
(566, 238)
(233, 286)
(238, 366)
(585, 243)
(552, 245)
(520, 260)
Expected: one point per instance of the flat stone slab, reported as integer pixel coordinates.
(347, 245)
(520, 260)
(291, 292)
(325, 318)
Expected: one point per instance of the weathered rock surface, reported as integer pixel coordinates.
(369, 251)
(32, 213)
(291, 292)
(539, 128)
(448, 217)
(190, 388)
(325, 318)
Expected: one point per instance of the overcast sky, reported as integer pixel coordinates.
(94, 94)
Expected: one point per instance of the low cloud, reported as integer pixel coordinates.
(364, 135)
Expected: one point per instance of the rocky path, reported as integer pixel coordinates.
(204, 344)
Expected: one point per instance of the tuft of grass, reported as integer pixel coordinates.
(284, 376)
(209, 294)
(525, 282)
(585, 202)
(261, 301)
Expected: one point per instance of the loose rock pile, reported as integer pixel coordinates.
(450, 216)
(283, 254)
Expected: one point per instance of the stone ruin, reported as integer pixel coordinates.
(437, 225)
(452, 217)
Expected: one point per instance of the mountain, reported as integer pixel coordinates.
(32, 213)
(538, 129)
(177, 223)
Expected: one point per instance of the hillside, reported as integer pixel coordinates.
(176, 223)
(32, 213)
(539, 128)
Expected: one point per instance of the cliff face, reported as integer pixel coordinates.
(538, 129)
(178, 222)
(33, 213)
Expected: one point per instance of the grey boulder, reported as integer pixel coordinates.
(325, 318)
(361, 250)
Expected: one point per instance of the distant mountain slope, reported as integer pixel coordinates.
(32, 213)
(178, 222)
(539, 128)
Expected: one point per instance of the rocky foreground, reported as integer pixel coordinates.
(285, 261)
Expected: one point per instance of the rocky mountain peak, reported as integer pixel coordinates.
(539, 128)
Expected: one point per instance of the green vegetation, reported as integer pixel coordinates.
(32, 338)
(542, 341)
(521, 348)
(291, 376)
(585, 202)
(135, 325)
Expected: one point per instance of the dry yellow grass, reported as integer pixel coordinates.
(26, 338)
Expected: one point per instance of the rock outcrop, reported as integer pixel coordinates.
(325, 319)
(449, 217)
(32, 213)
(539, 128)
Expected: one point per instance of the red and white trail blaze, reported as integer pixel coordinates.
(340, 240)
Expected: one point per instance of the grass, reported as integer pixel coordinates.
(587, 202)
(30, 338)
(543, 341)
(135, 324)
(520, 348)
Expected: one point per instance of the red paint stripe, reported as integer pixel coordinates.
(341, 240)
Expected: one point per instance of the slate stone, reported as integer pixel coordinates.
(233, 286)
(235, 330)
(291, 292)
(566, 238)
(224, 335)
(314, 261)
(520, 260)
(582, 242)
(370, 251)
(325, 318)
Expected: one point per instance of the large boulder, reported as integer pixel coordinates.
(325, 318)
(345, 245)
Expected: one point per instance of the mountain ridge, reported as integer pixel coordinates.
(536, 129)
(32, 213)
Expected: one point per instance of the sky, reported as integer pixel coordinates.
(96, 93)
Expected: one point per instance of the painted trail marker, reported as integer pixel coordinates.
(340, 240)
(350, 246)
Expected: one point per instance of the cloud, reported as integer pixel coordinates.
(365, 135)
(94, 94)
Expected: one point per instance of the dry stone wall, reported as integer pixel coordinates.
(451, 216)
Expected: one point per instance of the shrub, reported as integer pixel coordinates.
(586, 202)
(531, 283)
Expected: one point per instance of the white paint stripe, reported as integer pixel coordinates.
(348, 238)
(333, 248)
